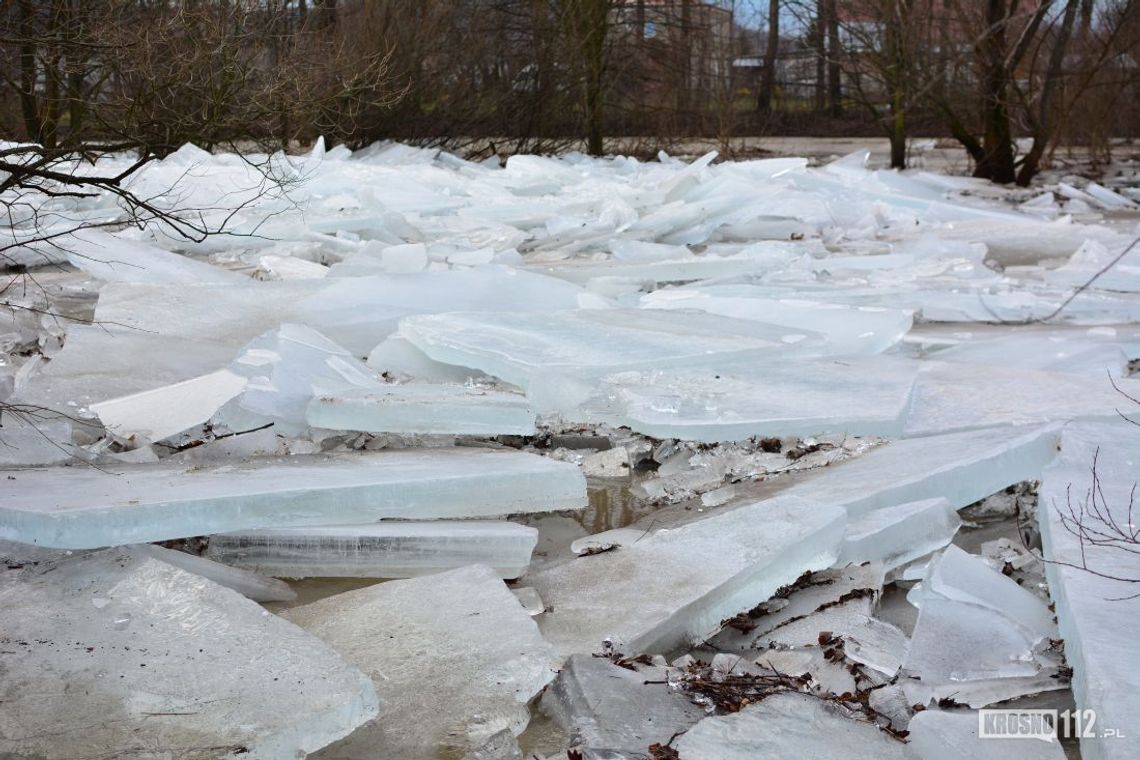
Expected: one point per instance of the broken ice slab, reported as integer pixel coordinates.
(160, 413)
(790, 725)
(388, 549)
(589, 343)
(395, 356)
(955, 396)
(962, 467)
(256, 587)
(1108, 198)
(454, 657)
(757, 258)
(959, 648)
(960, 576)
(835, 600)
(359, 312)
(35, 438)
(114, 258)
(161, 662)
(1116, 267)
(855, 395)
(424, 409)
(953, 734)
(149, 335)
(877, 645)
(678, 585)
(1094, 351)
(896, 535)
(529, 599)
(607, 708)
(83, 507)
(1099, 632)
(287, 367)
(849, 329)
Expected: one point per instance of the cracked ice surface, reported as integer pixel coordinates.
(118, 654)
(86, 507)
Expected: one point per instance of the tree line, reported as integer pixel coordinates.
(541, 75)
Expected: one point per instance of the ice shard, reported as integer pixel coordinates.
(679, 585)
(424, 409)
(789, 725)
(83, 507)
(388, 549)
(957, 575)
(454, 657)
(1096, 474)
(259, 588)
(608, 709)
(896, 535)
(834, 600)
(960, 651)
(147, 660)
(287, 368)
(160, 413)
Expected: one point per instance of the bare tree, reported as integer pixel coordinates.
(771, 51)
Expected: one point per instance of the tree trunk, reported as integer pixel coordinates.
(820, 54)
(834, 83)
(1044, 123)
(895, 19)
(768, 80)
(29, 105)
(997, 163)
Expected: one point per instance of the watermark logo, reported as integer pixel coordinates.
(1018, 724)
(1043, 725)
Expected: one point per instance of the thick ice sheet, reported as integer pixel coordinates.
(454, 657)
(259, 588)
(83, 507)
(590, 343)
(678, 585)
(389, 549)
(856, 395)
(962, 467)
(114, 258)
(849, 329)
(434, 408)
(958, 396)
(117, 654)
(1100, 644)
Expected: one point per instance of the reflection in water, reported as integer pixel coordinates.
(612, 505)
